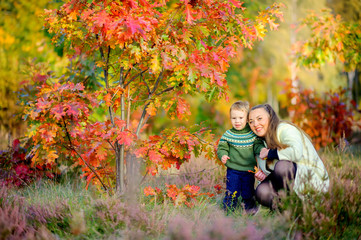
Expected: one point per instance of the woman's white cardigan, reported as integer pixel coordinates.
(311, 172)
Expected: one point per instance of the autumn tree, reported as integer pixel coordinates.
(329, 118)
(332, 39)
(261, 70)
(152, 54)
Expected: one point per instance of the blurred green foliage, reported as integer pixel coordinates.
(22, 40)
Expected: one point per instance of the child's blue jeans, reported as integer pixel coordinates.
(239, 183)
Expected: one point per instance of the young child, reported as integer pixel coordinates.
(237, 149)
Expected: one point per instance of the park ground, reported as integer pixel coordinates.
(51, 210)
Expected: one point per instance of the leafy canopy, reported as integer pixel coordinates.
(152, 54)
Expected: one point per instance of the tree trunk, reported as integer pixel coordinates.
(293, 65)
(133, 173)
(120, 171)
(351, 76)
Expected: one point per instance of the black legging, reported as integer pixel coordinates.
(282, 176)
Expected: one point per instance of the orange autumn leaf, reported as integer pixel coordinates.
(256, 170)
(107, 99)
(149, 191)
(151, 109)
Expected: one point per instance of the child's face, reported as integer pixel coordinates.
(238, 119)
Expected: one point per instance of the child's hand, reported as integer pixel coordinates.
(259, 175)
(224, 159)
(264, 153)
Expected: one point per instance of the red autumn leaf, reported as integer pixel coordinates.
(43, 104)
(88, 180)
(152, 170)
(182, 108)
(218, 188)
(237, 4)
(134, 26)
(149, 191)
(86, 14)
(40, 78)
(79, 87)
(101, 18)
(72, 109)
(22, 170)
(16, 145)
(125, 138)
(47, 134)
(155, 156)
(58, 111)
(120, 123)
(49, 175)
(107, 99)
(189, 13)
(101, 153)
(158, 190)
(141, 152)
(192, 189)
(172, 191)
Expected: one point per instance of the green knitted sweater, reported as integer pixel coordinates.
(241, 146)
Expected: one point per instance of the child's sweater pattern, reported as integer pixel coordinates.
(241, 146)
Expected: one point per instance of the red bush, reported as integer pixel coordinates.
(16, 168)
(325, 119)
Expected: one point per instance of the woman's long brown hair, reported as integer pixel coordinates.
(274, 121)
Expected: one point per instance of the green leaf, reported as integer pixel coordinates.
(191, 76)
(210, 97)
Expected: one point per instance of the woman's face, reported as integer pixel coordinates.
(259, 121)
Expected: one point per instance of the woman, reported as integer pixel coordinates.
(289, 161)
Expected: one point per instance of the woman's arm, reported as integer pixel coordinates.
(291, 136)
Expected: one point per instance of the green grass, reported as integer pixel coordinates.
(69, 211)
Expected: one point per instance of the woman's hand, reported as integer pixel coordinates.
(264, 153)
(260, 176)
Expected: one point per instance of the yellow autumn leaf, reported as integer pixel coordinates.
(52, 156)
(100, 64)
(151, 109)
(260, 31)
(155, 66)
(72, 16)
(181, 198)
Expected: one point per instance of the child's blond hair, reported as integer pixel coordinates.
(240, 106)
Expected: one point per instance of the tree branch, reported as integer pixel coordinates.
(146, 84)
(87, 164)
(157, 82)
(127, 73)
(133, 78)
(169, 89)
(140, 124)
(105, 70)
(111, 145)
